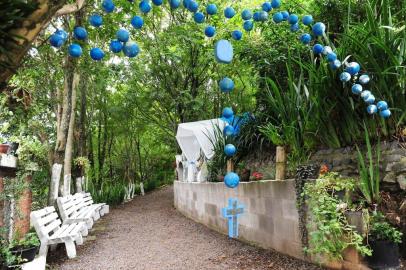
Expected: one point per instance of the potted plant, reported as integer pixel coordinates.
(4, 148)
(257, 176)
(25, 249)
(383, 240)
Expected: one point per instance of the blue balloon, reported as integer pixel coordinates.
(318, 49)
(277, 17)
(108, 6)
(186, 3)
(229, 12)
(56, 41)
(116, 46)
(336, 64)
(157, 2)
(75, 50)
(267, 6)
(80, 33)
(236, 35)
(370, 99)
(62, 33)
(276, 3)
(332, 57)
(228, 130)
(145, 6)
(123, 35)
(356, 89)
(174, 3)
(137, 22)
(345, 77)
(131, 49)
(226, 85)
(263, 16)
(193, 6)
(231, 180)
(305, 38)
(257, 16)
(294, 27)
(293, 19)
(199, 17)
(211, 9)
(228, 112)
(307, 19)
(385, 113)
(96, 54)
(319, 29)
(96, 20)
(285, 15)
(372, 109)
(353, 68)
(327, 50)
(364, 79)
(365, 94)
(210, 31)
(223, 51)
(230, 150)
(246, 14)
(248, 26)
(382, 105)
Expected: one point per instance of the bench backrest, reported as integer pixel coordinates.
(67, 206)
(45, 222)
(87, 199)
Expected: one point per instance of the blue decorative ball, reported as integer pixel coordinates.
(263, 16)
(356, 89)
(229, 12)
(210, 31)
(96, 54)
(327, 50)
(332, 57)
(96, 20)
(248, 25)
(231, 180)
(382, 105)
(364, 79)
(226, 85)
(305, 38)
(319, 29)
(193, 6)
(228, 130)
(345, 77)
(294, 27)
(174, 4)
(137, 22)
(199, 17)
(116, 46)
(80, 33)
(372, 109)
(353, 68)
(336, 64)
(246, 14)
(228, 112)
(370, 99)
(293, 19)
(145, 6)
(56, 41)
(267, 6)
(131, 49)
(257, 16)
(230, 150)
(186, 3)
(75, 50)
(318, 49)
(236, 35)
(62, 33)
(276, 3)
(307, 19)
(211, 9)
(285, 15)
(157, 2)
(277, 17)
(123, 35)
(385, 113)
(365, 94)
(108, 6)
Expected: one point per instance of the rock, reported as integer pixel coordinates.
(392, 158)
(401, 179)
(390, 178)
(389, 166)
(400, 166)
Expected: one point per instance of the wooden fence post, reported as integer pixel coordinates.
(230, 166)
(280, 173)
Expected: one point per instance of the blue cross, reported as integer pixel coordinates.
(232, 212)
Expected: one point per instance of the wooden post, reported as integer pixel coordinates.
(1, 203)
(22, 224)
(230, 166)
(280, 173)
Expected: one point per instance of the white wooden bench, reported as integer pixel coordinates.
(72, 210)
(101, 208)
(50, 231)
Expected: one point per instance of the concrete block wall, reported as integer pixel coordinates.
(270, 219)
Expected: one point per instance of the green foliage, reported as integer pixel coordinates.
(382, 230)
(29, 240)
(330, 232)
(217, 164)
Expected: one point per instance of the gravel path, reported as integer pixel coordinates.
(148, 233)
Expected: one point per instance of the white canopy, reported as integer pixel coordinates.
(193, 138)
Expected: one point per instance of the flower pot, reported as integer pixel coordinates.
(385, 255)
(27, 254)
(356, 219)
(4, 148)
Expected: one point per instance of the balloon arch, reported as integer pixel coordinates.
(223, 51)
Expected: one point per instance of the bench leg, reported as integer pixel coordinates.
(43, 250)
(106, 209)
(70, 249)
(79, 239)
(84, 231)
